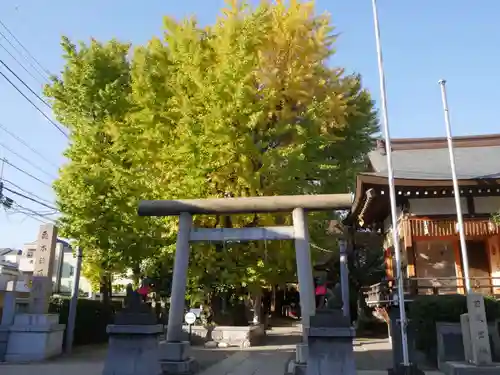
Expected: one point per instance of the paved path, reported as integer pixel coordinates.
(270, 359)
(373, 357)
(90, 361)
(266, 363)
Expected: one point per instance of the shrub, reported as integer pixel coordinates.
(425, 311)
(91, 320)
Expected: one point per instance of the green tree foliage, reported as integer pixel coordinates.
(249, 106)
(97, 192)
(496, 218)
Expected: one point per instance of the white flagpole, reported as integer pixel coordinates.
(456, 189)
(392, 191)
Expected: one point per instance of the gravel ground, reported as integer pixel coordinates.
(89, 360)
(210, 357)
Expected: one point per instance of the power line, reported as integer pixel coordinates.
(29, 198)
(42, 75)
(27, 160)
(31, 213)
(27, 192)
(28, 215)
(20, 140)
(25, 84)
(47, 72)
(34, 105)
(33, 217)
(26, 173)
(21, 65)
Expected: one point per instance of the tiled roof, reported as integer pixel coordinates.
(475, 162)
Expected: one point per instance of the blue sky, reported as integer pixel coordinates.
(422, 40)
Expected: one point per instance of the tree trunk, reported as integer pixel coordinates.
(273, 299)
(136, 276)
(104, 290)
(257, 308)
(223, 307)
(110, 287)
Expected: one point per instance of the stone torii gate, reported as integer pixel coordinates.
(299, 205)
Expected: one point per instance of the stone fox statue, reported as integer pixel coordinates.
(133, 299)
(334, 298)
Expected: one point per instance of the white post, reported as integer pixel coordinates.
(304, 267)
(179, 279)
(344, 279)
(392, 189)
(456, 189)
(74, 299)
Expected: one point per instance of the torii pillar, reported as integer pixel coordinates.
(176, 350)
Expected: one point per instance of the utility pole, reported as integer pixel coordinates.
(392, 194)
(456, 189)
(70, 329)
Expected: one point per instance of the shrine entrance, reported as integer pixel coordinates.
(298, 205)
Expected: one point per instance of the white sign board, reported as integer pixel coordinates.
(190, 318)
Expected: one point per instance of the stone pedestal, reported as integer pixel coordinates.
(330, 340)
(175, 358)
(476, 342)
(133, 350)
(298, 364)
(34, 337)
(397, 351)
(463, 368)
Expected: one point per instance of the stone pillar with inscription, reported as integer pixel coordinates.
(476, 340)
(37, 335)
(41, 285)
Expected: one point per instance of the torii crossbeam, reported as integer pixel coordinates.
(298, 205)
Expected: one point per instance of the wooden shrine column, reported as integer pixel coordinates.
(409, 249)
(458, 266)
(411, 257)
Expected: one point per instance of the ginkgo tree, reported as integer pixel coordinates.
(249, 106)
(96, 191)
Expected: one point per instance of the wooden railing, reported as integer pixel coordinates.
(445, 227)
(385, 292)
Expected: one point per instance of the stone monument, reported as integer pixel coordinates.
(476, 342)
(38, 335)
(133, 339)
